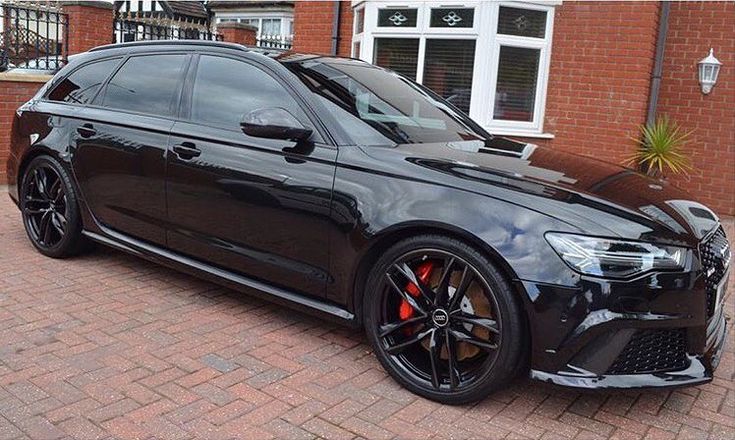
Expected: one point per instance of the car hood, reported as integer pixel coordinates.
(592, 196)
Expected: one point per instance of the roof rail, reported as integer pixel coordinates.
(173, 43)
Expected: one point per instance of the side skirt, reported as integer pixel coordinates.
(225, 278)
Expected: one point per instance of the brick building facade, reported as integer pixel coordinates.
(692, 29)
(597, 86)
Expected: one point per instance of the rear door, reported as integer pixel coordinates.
(121, 141)
(255, 206)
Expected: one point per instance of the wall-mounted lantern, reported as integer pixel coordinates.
(709, 68)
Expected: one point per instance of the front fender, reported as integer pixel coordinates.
(370, 203)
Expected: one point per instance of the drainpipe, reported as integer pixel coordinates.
(663, 28)
(335, 26)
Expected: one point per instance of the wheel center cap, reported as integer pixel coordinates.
(440, 318)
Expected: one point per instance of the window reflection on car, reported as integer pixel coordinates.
(385, 107)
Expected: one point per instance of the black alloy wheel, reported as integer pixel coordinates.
(49, 209)
(443, 320)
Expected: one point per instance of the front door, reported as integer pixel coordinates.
(121, 142)
(250, 205)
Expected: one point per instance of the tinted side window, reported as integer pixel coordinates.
(147, 84)
(81, 86)
(226, 89)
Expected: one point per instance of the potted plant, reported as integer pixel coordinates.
(660, 148)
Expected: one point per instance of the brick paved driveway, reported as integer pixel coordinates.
(108, 345)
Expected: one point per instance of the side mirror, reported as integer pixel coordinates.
(274, 123)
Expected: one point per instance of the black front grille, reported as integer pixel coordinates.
(715, 256)
(652, 351)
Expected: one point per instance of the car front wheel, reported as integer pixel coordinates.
(443, 320)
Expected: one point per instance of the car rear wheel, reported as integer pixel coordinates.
(443, 320)
(50, 210)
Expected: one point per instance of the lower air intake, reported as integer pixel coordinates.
(652, 351)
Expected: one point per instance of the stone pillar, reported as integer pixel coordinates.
(241, 33)
(90, 25)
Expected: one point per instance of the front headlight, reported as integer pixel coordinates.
(604, 257)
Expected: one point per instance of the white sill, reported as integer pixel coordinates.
(519, 133)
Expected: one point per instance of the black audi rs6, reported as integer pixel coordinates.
(351, 192)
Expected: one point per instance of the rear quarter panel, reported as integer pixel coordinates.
(38, 128)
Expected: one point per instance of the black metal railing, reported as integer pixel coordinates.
(129, 28)
(33, 36)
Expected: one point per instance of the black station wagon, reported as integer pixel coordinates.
(354, 193)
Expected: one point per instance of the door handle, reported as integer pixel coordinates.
(187, 150)
(297, 153)
(86, 130)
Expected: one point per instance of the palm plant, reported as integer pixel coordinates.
(660, 147)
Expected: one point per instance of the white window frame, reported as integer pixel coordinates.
(487, 53)
(240, 17)
(357, 37)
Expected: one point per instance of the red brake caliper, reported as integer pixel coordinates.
(423, 272)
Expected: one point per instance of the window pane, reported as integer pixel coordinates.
(271, 26)
(81, 86)
(515, 94)
(522, 22)
(251, 21)
(147, 84)
(359, 20)
(399, 54)
(397, 17)
(448, 70)
(225, 90)
(448, 17)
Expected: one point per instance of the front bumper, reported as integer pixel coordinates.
(700, 370)
(660, 330)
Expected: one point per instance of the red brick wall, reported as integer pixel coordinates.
(599, 78)
(239, 33)
(13, 94)
(345, 29)
(90, 25)
(693, 29)
(313, 27)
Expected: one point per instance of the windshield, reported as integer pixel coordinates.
(378, 107)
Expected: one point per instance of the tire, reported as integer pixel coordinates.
(455, 346)
(50, 209)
